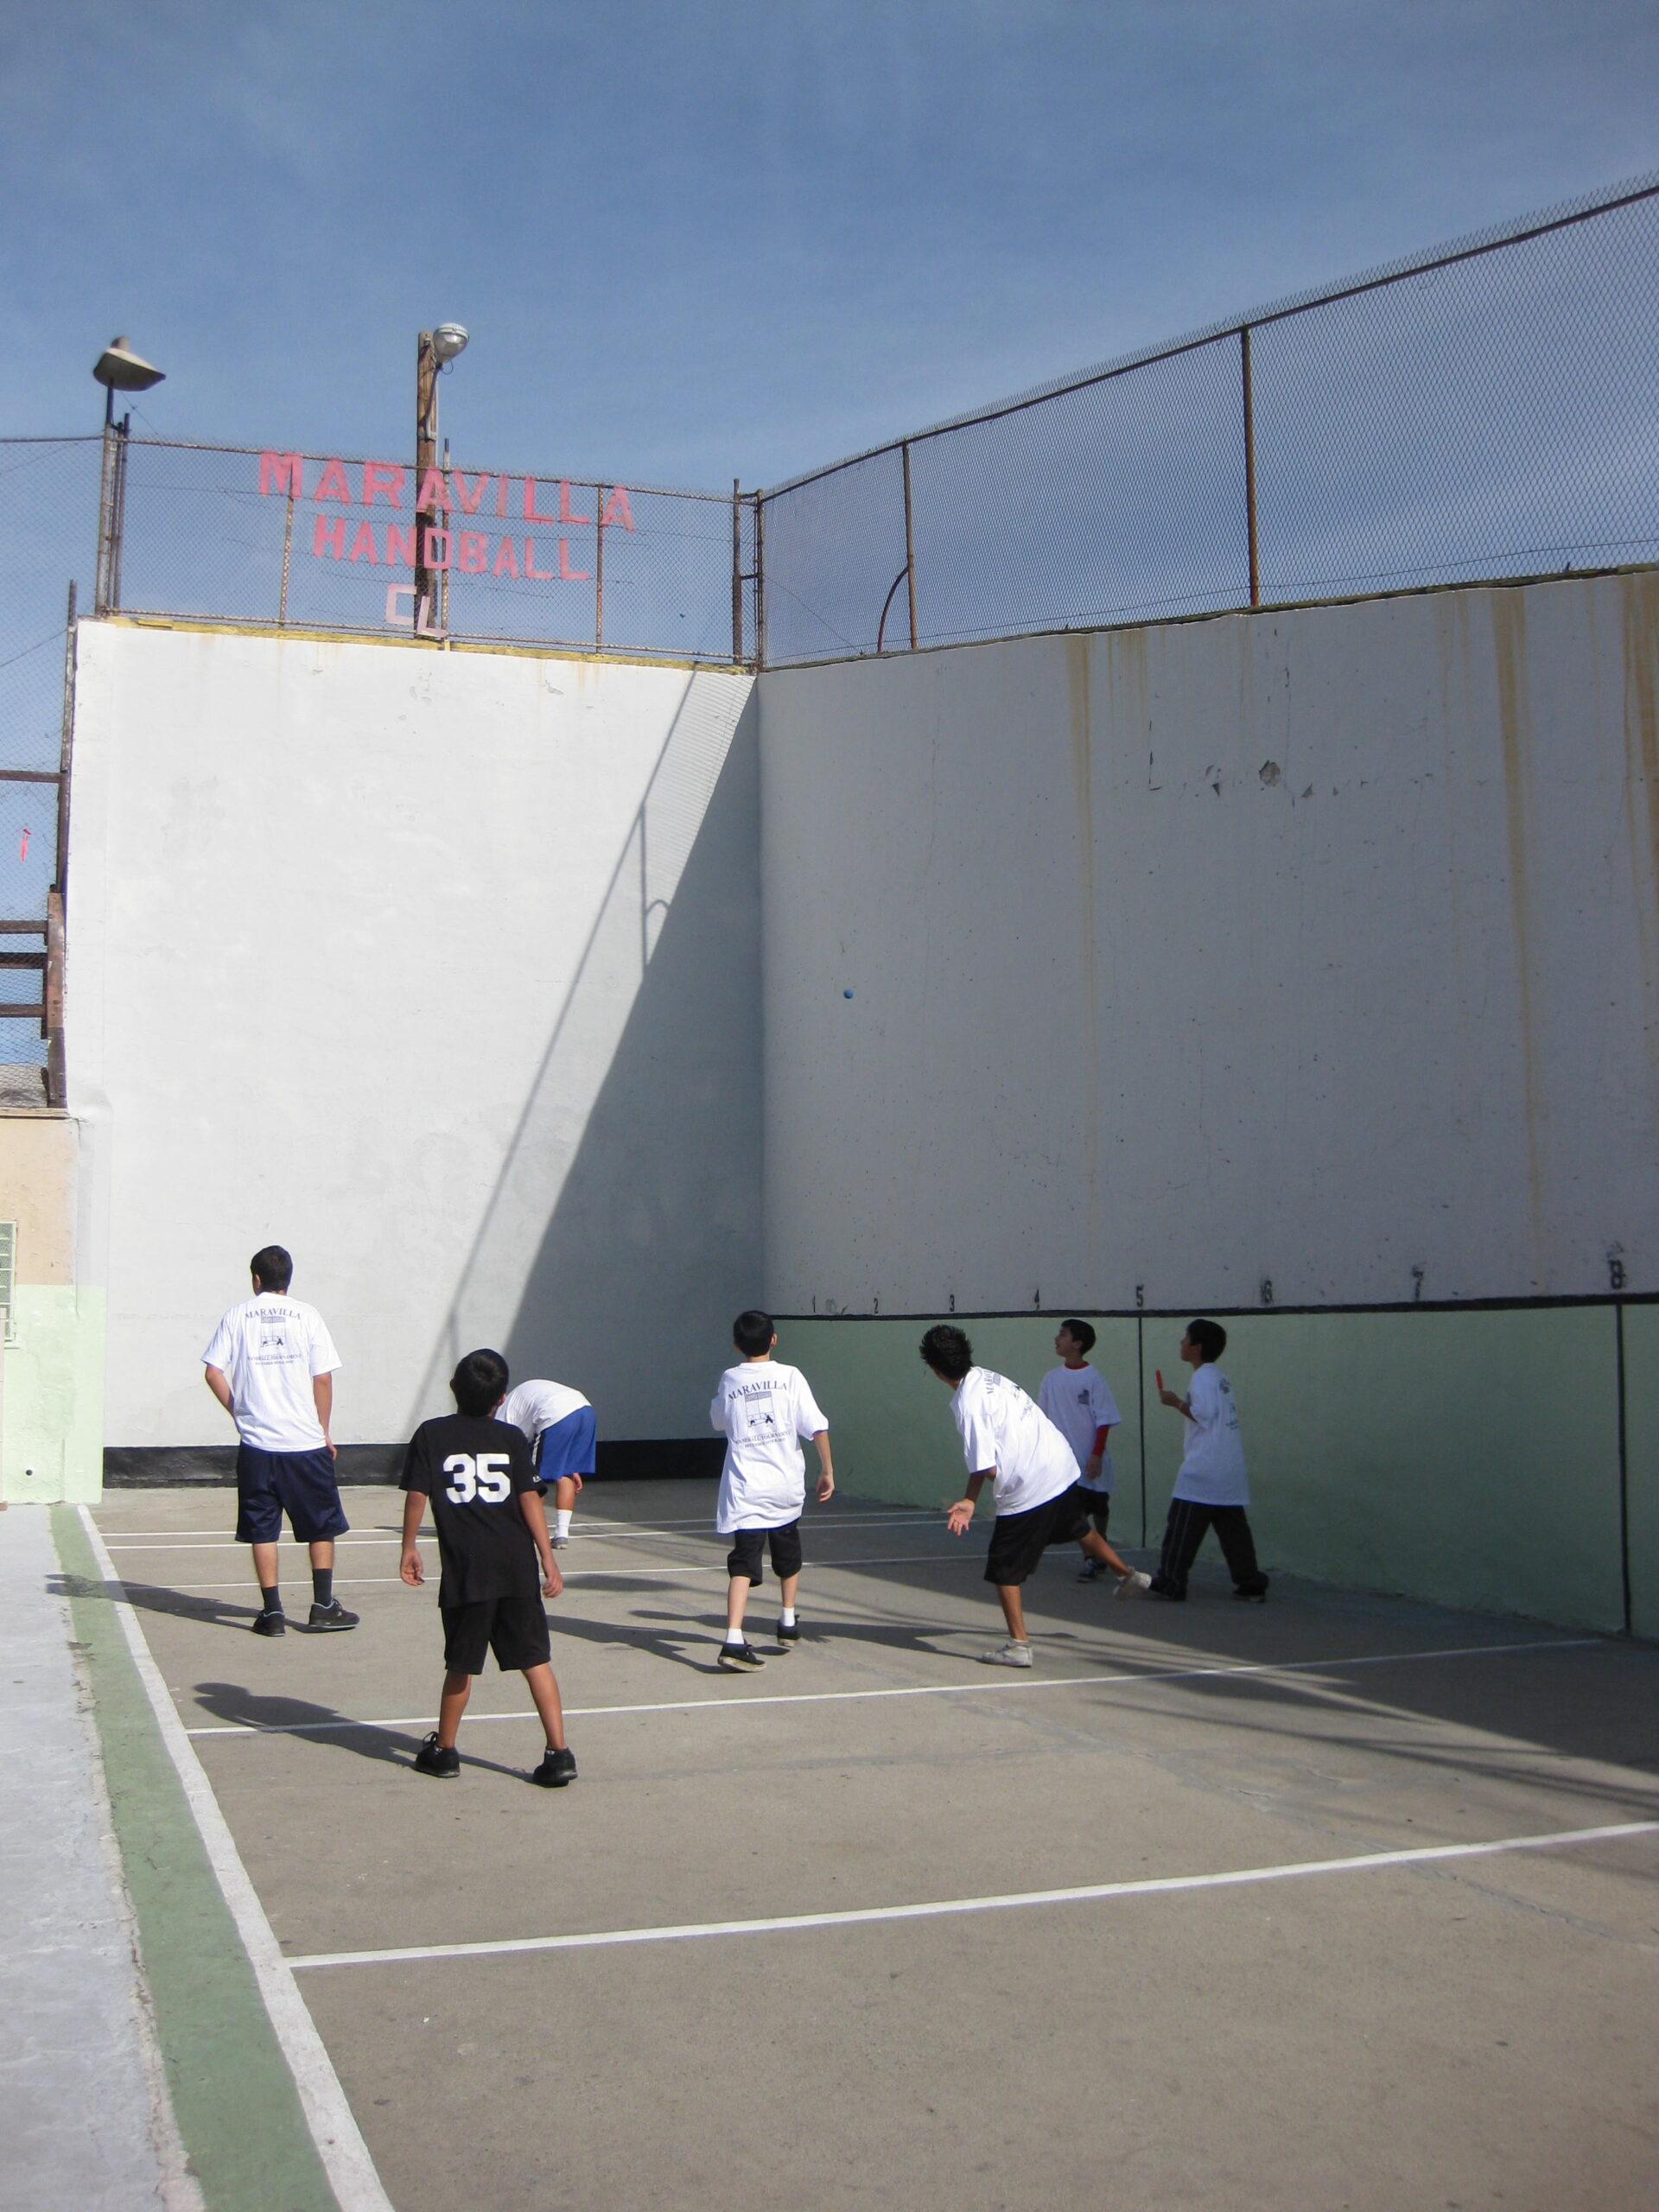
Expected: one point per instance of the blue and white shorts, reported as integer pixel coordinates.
(567, 1448)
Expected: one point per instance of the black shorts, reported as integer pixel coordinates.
(749, 1544)
(302, 1484)
(515, 1628)
(1018, 1540)
(1097, 1504)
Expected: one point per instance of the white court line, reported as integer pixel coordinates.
(621, 1573)
(792, 1924)
(986, 1686)
(622, 1532)
(339, 2143)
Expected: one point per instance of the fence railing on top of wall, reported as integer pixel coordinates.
(1486, 409)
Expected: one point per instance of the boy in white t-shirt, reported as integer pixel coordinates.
(1212, 1488)
(1007, 1439)
(763, 1408)
(1078, 1400)
(271, 1364)
(560, 1424)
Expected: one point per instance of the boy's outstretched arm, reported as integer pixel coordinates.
(962, 1512)
(826, 1472)
(535, 1513)
(409, 1566)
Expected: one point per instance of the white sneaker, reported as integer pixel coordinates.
(559, 1543)
(1008, 1654)
(1132, 1584)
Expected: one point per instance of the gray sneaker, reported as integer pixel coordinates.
(1007, 1654)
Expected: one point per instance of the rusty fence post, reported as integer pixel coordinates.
(759, 581)
(910, 546)
(1249, 463)
(737, 572)
(288, 547)
(599, 567)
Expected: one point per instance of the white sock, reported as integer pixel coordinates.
(786, 1617)
(562, 1519)
(733, 1635)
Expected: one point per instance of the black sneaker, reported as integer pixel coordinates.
(1092, 1568)
(740, 1658)
(433, 1759)
(788, 1638)
(556, 1769)
(333, 1615)
(270, 1624)
(1253, 1593)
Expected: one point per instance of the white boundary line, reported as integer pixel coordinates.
(820, 1565)
(214, 1539)
(334, 2131)
(791, 1923)
(986, 1686)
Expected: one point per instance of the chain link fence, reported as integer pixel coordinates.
(1484, 410)
(290, 540)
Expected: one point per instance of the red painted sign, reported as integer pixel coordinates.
(450, 544)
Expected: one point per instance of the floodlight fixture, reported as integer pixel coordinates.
(449, 339)
(117, 368)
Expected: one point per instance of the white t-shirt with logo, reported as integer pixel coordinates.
(1079, 1403)
(1213, 1472)
(763, 1408)
(535, 1406)
(1002, 1428)
(267, 1349)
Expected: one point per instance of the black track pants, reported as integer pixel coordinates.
(1186, 1528)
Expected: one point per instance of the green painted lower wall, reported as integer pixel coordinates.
(1467, 1458)
(1641, 1459)
(52, 1398)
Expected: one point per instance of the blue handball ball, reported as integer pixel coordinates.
(846, 994)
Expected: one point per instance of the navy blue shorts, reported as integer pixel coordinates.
(567, 1448)
(300, 1483)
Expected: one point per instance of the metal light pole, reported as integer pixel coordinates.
(117, 368)
(433, 349)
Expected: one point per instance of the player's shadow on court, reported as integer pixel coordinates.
(703, 1630)
(310, 1723)
(150, 1597)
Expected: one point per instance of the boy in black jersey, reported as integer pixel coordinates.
(498, 1563)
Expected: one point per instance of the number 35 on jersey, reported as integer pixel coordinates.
(484, 1477)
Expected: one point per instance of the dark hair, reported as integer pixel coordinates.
(752, 1332)
(1081, 1334)
(274, 1267)
(479, 1382)
(946, 1350)
(1210, 1338)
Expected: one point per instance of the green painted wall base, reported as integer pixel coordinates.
(1472, 1457)
(52, 1398)
(234, 2099)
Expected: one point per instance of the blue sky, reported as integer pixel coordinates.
(700, 241)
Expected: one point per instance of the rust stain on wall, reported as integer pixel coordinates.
(1514, 737)
(1641, 603)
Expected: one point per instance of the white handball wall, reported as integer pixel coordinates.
(1316, 947)
(441, 969)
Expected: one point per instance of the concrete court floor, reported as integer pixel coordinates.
(1464, 2032)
